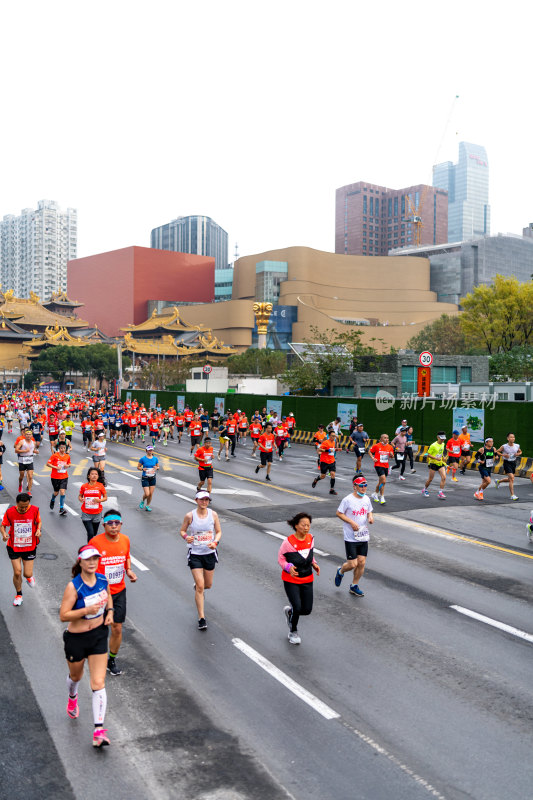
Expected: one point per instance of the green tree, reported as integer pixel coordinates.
(266, 363)
(167, 372)
(443, 337)
(57, 362)
(303, 378)
(103, 363)
(499, 317)
(514, 365)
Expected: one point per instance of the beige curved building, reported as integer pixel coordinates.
(385, 297)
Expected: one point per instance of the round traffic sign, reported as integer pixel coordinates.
(426, 359)
(207, 369)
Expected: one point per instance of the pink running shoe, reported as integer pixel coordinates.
(31, 582)
(100, 737)
(72, 707)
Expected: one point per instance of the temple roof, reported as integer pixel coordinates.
(168, 320)
(10, 330)
(61, 299)
(55, 335)
(167, 346)
(31, 313)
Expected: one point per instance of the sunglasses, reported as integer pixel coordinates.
(113, 522)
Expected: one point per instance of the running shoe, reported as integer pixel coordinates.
(315, 481)
(62, 512)
(497, 483)
(382, 500)
(401, 478)
(218, 457)
(31, 582)
(442, 496)
(425, 492)
(332, 491)
(202, 624)
(227, 458)
(375, 497)
(257, 469)
(1, 487)
(100, 737)
(338, 577)
(455, 479)
(413, 471)
(530, 531)
(52, 504)
(478, 495)
(18, 600)
(287, 610)
(72, 707)
(113, 667)
(514, 497)
(147, 508)
(354, 589)
(268, 478)
(294, 637)
(141, 504)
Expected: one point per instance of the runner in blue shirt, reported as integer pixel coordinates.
(149, 464)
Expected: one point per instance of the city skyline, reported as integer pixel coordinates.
(263, 151)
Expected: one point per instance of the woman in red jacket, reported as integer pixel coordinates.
(296, 560)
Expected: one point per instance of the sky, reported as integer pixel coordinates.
(254, 113)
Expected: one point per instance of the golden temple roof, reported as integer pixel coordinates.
(61, 298)
(32, 313)
(166, 346)
(168, 320)
(55, 335)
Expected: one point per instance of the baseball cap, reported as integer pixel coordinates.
(199, 495)
(463, 427)
(359, 480)
(441, 435)
(455, 433)
(88, 551)
(100, 435)
(149, 447)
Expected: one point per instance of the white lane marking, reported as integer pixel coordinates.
(71, 511)
(192, 487)
(36, 483)
(139, 564)
(179, 483)
(119, 487)
(285, 680)
(12, 463)
(3, 508)
(281, 536)
(188, 499)
(528, 637)
(129, 475)
(405, 491)
(417, 526)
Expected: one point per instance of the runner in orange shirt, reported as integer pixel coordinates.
(466, 451)
(266, 444)
(59, 462)
(242, 425)
(204, 457)
(326, 450)
(453, 448)
(381, 453)
(196, 432)
(291, 427)
(256, 429)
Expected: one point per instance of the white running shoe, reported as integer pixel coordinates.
(294, 637)
(375, 497)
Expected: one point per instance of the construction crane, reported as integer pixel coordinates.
(414, 210)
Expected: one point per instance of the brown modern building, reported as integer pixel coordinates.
(370, 220)
(115, 287)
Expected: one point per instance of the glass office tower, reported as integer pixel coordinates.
(467, 184)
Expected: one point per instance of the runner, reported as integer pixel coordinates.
(180, 424)
(291, 427)
(36, 427)
(59, 462)
(409, 448)
(21, 529)
(400, 444)
(165, 428)
(381, 454)
(154, 426)
(509, 452)
(281, 435)
(223, 438)
(242, 424)
(68, 426)
(143, 422)
(297, 562)
(149, 464)
(355, 511)
(188, 415)
(266, 447)
(195, 430)
(62, 439)
(87, 432)
(53, 430)
(485, 458)
(360, 440)
(133, 423)
(436, 463)
(2, 451)
(327, 450)
(115, 563)
(318, 438)
(453, 449)
(202, 532)
(466, 452)
(231, 433)
(25, 449)
(204, 457)
(87, 606)
(92, 495)
(99, 451)
(256, 429)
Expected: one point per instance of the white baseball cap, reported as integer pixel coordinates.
(202, 493)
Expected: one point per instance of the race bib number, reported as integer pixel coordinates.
(268, 446)
(92, 502)
(203, 538)
(331, 451)
(489, 462)
(400, 456)
(456, 450)
(22, 533)
(149, 472)
(362, 451)
(61, 467)
(25, 459)
(92, 599)
(114, 572)
(208, 459)
(384, 457)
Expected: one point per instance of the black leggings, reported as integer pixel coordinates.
(233, 439)
(301, 599)
(409, 454)
(400, 463)
(91, 528)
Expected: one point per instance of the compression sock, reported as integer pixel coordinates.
(331, 483)
(61, 501)
(99, 707)
(72, 687)
(53, 499)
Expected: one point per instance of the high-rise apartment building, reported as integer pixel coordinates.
(467, 184)
(35, 248)
(370, 220)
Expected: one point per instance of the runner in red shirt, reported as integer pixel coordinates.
(196, 432)
(282, 434)
(21, 529)
(326, 450)
(291, 427)
(180, 424)
(453, 448)
(242, 426)
(188, 414)
(204, 457)
(92, 495)
(266, 444)
(382, 454)
(59, 462)
(256, 429)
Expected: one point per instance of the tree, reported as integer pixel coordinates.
(103, 363)
(303, 378)
(266, 363)
(498, 318)
(515, 365)
(56, 362)
(443, 337)
(165, 373)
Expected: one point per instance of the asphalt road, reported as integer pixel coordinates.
(400, 694)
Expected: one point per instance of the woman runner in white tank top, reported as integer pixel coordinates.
(201, 530)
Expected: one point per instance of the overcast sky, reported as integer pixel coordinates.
(254, 113)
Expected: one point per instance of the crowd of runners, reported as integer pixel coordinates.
(94, 601)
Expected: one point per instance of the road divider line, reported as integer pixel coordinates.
(311, 700)
(419, 526)
(36, 483)
(139, 564)
(129, 475)
(71, 511)
(188, 499)
(528, 637)
(281, 536)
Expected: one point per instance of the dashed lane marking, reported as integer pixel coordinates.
(494, 623)
(139, 564)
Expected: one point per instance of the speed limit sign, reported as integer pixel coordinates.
(426, 359)
(207, 369)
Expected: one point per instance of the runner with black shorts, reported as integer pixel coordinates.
(355, 510)
(21, 529)
(266, 448)
(25, 450)
(87, 606)
(149, 464)
(486, 458)
(509, 452)
(327, 452)
(59, 463)
(204, 457)
(202, 532)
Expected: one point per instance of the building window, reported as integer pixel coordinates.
(409, 382)
(395, 206)
(364, 204)
(444, 375)
(466, 375)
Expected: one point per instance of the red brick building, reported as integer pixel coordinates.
(115, 287)
(370, 220)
